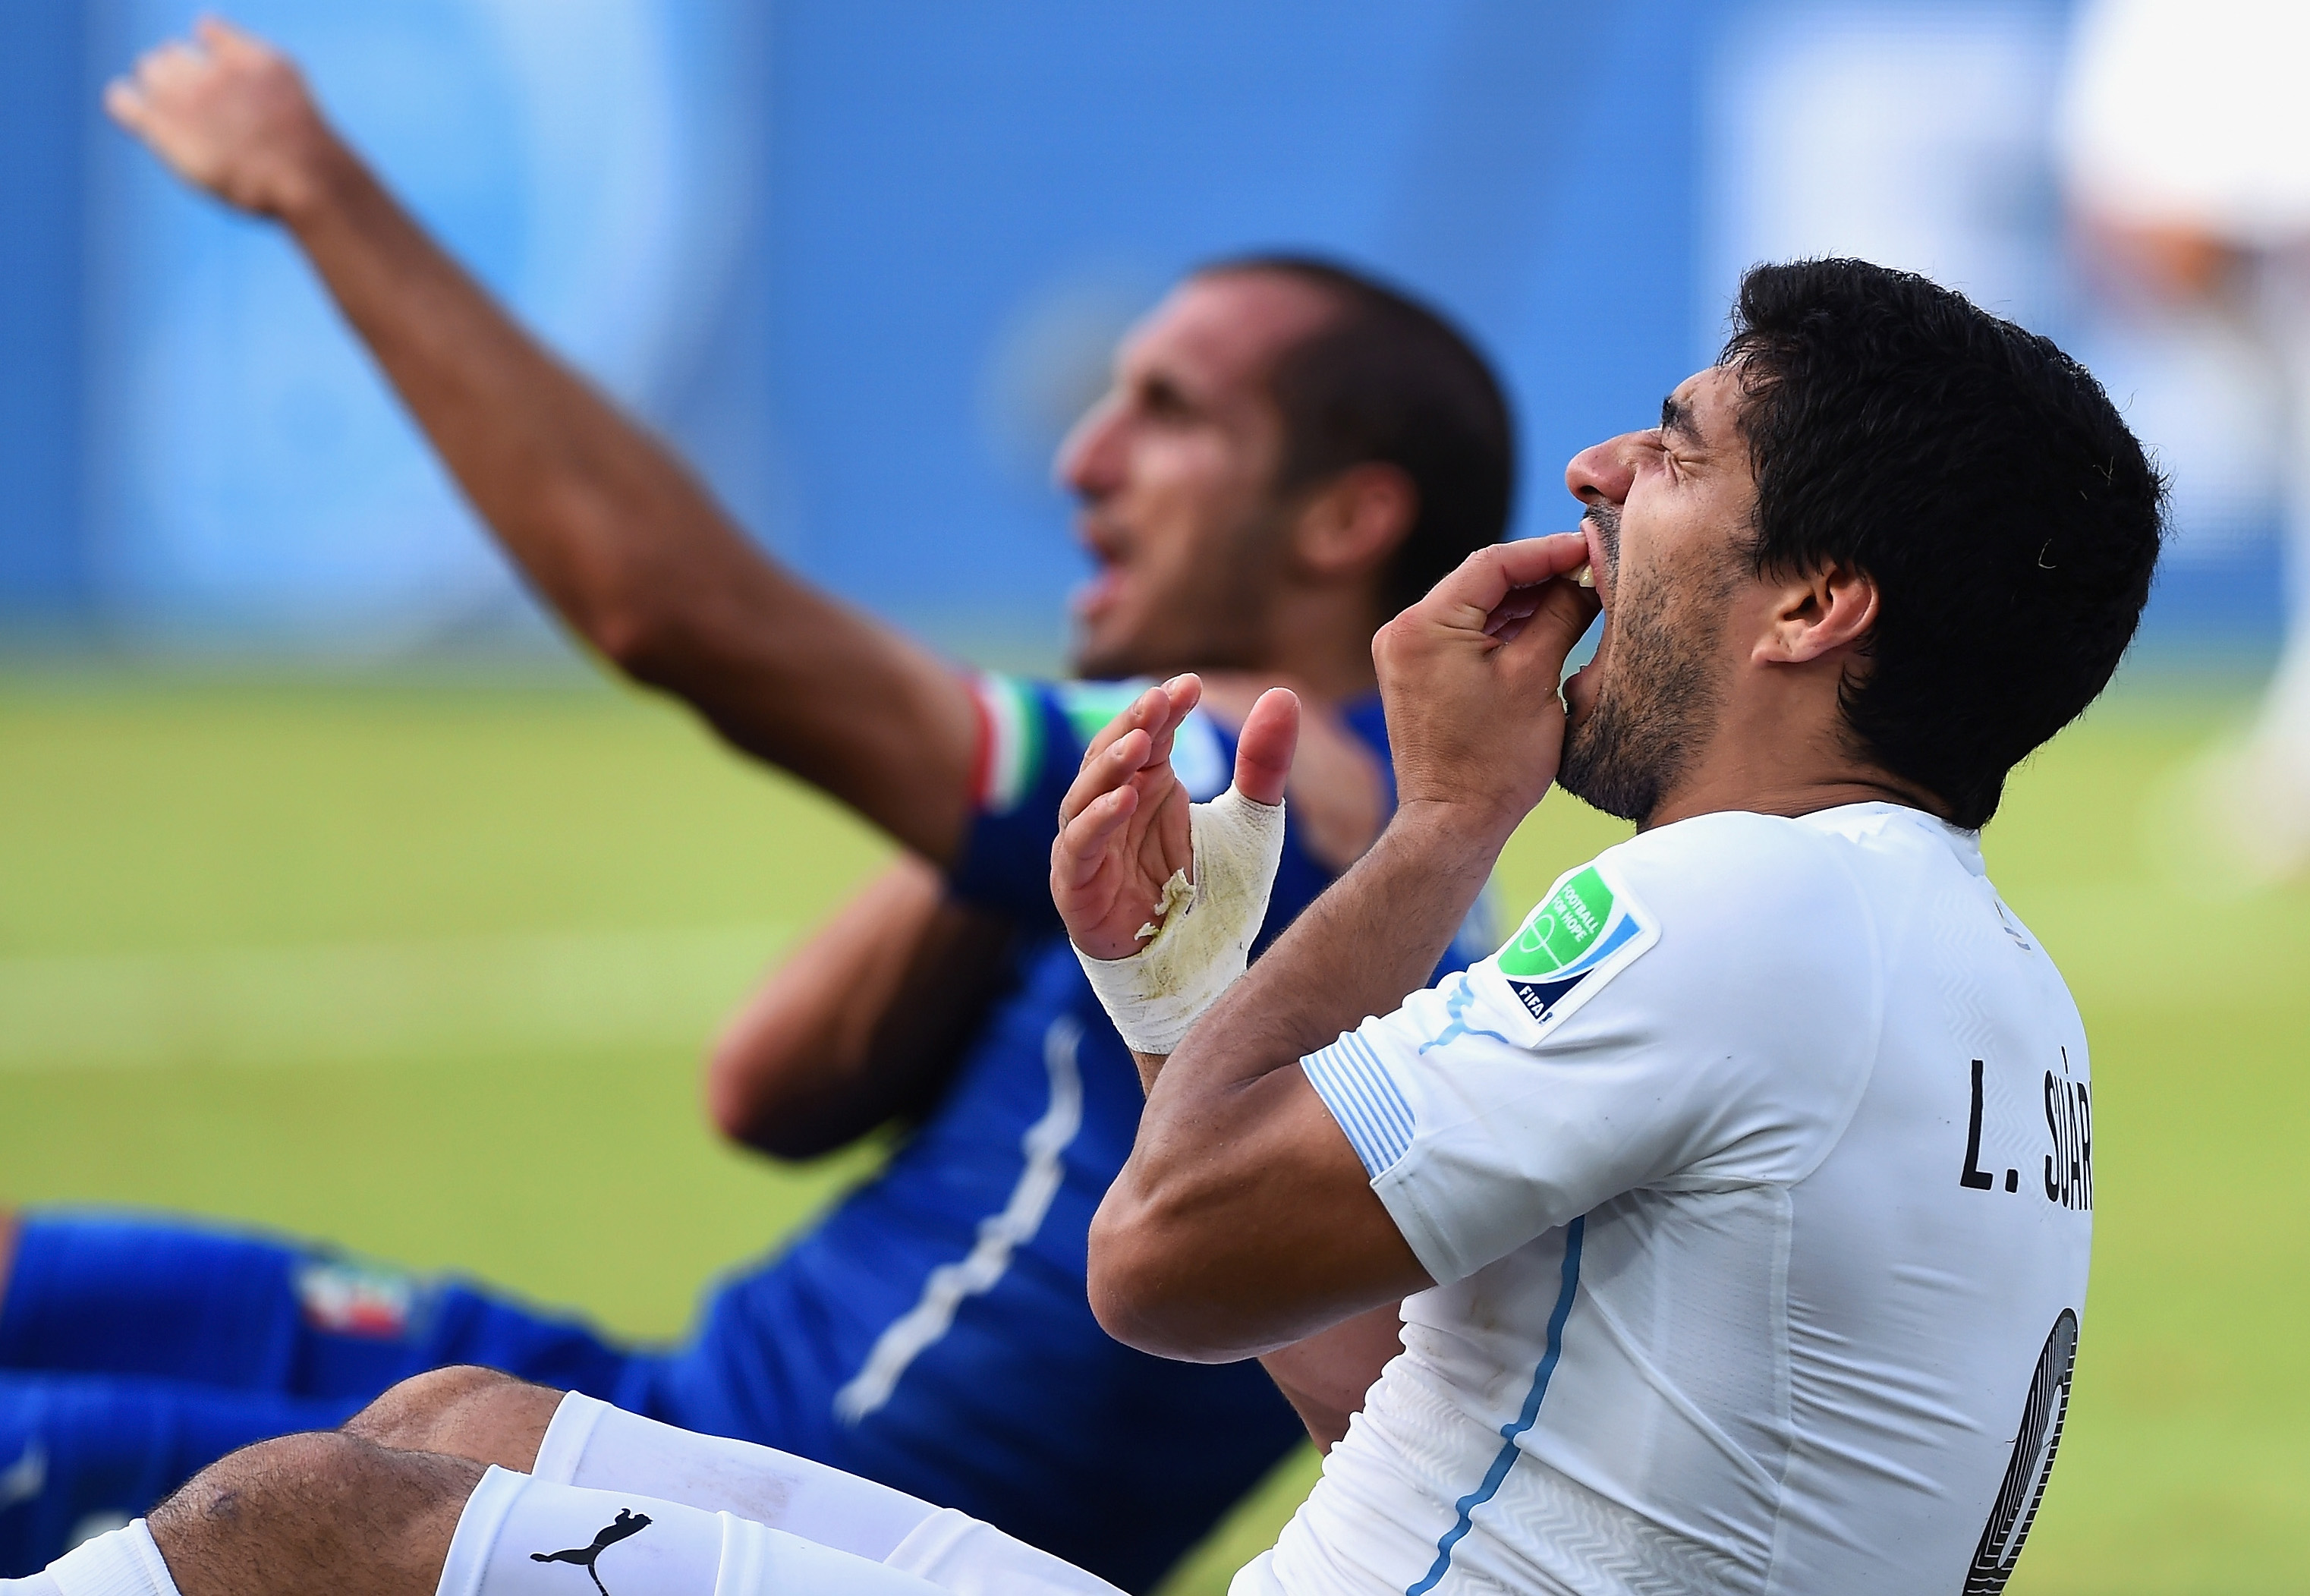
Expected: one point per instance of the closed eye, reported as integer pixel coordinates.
(1678, 421)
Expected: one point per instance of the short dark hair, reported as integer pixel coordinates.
(1982, 477)
(1387, 379)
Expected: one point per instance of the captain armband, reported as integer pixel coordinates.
(1202, 929)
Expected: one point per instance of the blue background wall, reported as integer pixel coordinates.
(45, 119)
(862, 259)
(944, 189)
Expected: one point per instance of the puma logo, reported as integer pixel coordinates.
(1455, 1009)
(626, 1525)
(26, 1478)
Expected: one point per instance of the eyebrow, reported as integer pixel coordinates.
(1677, 418)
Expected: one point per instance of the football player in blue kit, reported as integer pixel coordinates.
(1288, 454)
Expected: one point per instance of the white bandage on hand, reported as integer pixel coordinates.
(1202, 929)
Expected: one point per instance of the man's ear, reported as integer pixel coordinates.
(1820, 613)
(1352, 524)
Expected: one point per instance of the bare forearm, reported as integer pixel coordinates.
(627, 544)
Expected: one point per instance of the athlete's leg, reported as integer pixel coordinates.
(465, 1411)
(579, 1441)
(592, 1444)
(524, 1537)
(113, 1294)
(82, 1453)
(122, 1295)
(338, 1514)
(180, 1343)
(319, 1511)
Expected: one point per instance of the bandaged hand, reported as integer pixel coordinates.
(1162, 897)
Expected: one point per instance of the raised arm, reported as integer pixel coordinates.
(1244, 1221)
(619, 538)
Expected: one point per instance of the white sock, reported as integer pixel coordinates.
(967, 1557)
(122, 1562)
(520, 1536)
(592, 1444)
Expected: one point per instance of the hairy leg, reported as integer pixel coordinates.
(338, 1512)
(82, 1451)
(316, 1512)
(466, 1412)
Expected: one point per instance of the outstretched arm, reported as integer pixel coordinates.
(618, 537)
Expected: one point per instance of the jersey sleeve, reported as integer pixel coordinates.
(1696, 1008)
(1032, 738)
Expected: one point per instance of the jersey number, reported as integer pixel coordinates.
(2033, 1462)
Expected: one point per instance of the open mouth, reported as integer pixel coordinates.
(1097, 594)
(1599, 528)
(1586, 576)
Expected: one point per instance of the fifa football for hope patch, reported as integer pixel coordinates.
(1582, 935)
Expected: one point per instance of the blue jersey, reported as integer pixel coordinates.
(933, 1330)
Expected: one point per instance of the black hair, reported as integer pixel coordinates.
(1386, 378)
(1980, 476)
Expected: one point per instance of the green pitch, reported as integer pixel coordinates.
(427, 969)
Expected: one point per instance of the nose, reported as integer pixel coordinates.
(1601, 473)
(1091, 460)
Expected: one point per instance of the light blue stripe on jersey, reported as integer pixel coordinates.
(1354, 1086)
(1510, 1433)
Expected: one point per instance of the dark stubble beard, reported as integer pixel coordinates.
(1656, 699)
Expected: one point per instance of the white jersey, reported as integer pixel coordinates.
(1755, 1175)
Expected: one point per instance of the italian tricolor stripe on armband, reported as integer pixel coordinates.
(1010, 742)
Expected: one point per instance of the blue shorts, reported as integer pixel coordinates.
(133, 1354)
(121, 1295)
